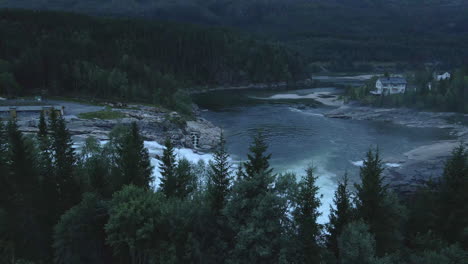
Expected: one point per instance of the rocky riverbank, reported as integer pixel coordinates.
(156, 124)
(423, 163)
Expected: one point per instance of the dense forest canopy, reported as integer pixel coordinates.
(323, 30)
(101, 205)
(128, 59)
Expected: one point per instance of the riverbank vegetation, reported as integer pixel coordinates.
(126, 60)
(101, 205)
(423, 92)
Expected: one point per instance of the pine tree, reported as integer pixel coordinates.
(340, 215)
(453, 209)
(185, 179)
(168, 170)
(258, 162)
(45, 155)
(23, 181)
(4, 173)
(305, 217)
(255, 212)
(22, 166)
(42, 126)
(63, 163)
(377, 207)
(219, 177)
(133, 160)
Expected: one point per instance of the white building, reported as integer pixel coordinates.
(440, 77)
(390, 85)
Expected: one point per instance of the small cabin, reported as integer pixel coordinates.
(390, 85)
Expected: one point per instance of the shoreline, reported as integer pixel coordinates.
(420, 164)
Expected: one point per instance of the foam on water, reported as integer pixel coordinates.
(292, 109)
(325, 182)
(392, 165)
(154, 148)
(358, 163)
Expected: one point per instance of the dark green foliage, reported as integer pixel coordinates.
(95, 166)
(168, 167)
(256, 212)
(134, 230)
(146, 61)
(23, 196)
(258, 218)
(63, 162)
(4, 173)
(305, 217)
(324, 30)
(186, 180)
(379, 208)
(133, 162)
(341, 214)
(452, 219)
(258, 161)
(444, 95)
(79, 235)
(356, 244)
(219, 181)
(42, 126)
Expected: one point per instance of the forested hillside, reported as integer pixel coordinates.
(323, 30)
(70, 54)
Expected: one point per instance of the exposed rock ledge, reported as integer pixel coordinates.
(155, 125)
(423, 163)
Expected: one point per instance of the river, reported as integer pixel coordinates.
(299, 135)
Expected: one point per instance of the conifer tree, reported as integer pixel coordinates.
(340, 215)
(133, 160)
(377, 207)
(185, 179)
(63, 163)
(258, 162)
(168, 167)
(42, 126)
(219, 177)
(453, 213)
(23, 181)
(255, 212)
(305, 217)
(45, 155)
(4, 190)
(22, 166)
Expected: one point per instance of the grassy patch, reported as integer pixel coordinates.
(104, 114)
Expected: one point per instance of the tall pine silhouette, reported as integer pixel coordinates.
(64, 163)
(305, 217)
(168, 167)
(341, 214)
(133, 160)
(219, 177)
(377, 207)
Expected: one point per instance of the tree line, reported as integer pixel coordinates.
(423, 92)
(101, 205)
(130, 59)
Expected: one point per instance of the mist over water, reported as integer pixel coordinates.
(299, 136)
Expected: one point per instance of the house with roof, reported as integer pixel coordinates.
(390, 85)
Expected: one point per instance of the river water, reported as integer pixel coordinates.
(299, 135)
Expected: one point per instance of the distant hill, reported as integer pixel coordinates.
(324, 30)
